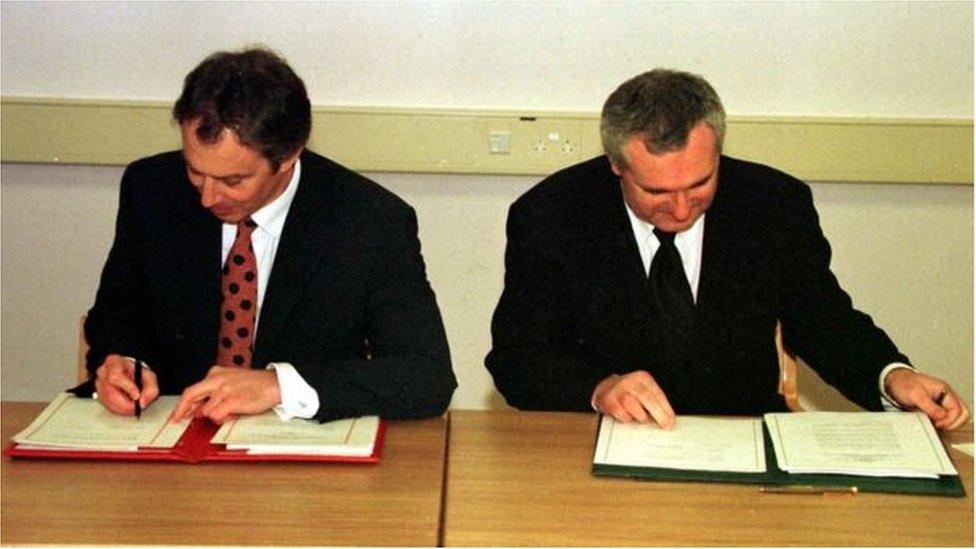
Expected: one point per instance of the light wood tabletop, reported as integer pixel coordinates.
(523, 479)
(395, 502)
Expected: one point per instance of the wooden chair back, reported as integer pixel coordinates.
(787, 373)
(82, 351)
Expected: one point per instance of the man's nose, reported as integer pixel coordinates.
(681, 209)
(208, 193)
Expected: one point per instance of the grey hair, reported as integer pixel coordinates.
(661, 107)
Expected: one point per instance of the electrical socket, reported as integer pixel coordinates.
(538, 145)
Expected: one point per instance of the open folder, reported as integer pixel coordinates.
(81, 428)
(860, 451)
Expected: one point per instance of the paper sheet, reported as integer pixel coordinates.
(695, 443)
(84, 424)
(964, 447)
(900, 444)
(267, 434)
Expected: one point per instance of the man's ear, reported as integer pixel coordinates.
(289, 162)
(616, 169)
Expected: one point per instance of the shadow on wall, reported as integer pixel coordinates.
(495, 401)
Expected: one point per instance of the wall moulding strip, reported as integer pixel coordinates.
(380, 139)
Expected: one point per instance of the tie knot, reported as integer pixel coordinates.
(246, 227)
(664, 237)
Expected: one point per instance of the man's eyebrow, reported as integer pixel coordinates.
(228, 176)
(701, 182)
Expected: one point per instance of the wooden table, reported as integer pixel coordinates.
(518, 478)
(397, 502)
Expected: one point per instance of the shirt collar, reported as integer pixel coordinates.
(271, 217)
(643, 229)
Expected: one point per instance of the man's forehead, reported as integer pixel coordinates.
(225, 157)
(674, 170)
(189, 132)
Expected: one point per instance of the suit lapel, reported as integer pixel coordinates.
(721, 248)
(199, 277)
(301, 246)
(612, 273)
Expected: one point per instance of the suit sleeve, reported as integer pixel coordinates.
(536, 358)
(820, 323)
(116, 322)
(409, 372)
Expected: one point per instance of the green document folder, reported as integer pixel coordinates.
(945, 485)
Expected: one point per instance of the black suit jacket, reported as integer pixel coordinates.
(348, 270)
(574, 307)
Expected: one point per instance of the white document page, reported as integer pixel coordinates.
(695, 443)
(268, 434)
(898, 444)
(964, 447)
(74, 423)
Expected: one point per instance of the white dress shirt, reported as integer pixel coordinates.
(689, 244)
(298, 398)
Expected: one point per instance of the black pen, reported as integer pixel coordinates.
(138, 377)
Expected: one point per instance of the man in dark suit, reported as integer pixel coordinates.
(650, 281)
(251, 274)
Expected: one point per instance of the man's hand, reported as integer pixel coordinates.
(634, 397)
(116, 386)
(933, 396)
(226, 392)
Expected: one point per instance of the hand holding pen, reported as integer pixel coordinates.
(117, 388)
(916, 391)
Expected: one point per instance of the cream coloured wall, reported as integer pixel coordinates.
(876, 59)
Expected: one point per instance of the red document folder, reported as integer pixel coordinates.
(194, 447)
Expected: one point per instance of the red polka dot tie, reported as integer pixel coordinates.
(239, 286)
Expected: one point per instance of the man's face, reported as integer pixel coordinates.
(671, 190)
(233, 180)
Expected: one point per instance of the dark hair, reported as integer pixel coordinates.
(255, 94)
(661, 107)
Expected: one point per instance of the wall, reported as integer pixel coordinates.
(901, 59)
(904, 252)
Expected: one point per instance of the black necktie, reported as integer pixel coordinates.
(671, 294)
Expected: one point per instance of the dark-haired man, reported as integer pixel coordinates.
(249, 274)
(649, 281)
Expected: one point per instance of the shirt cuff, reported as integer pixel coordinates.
(298, 398)
(887, 402)
(133, 361)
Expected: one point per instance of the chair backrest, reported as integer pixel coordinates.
(82, 351)
(787, 373)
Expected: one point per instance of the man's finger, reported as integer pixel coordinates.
(123, 379)
(113, 398)
(927, 405)
(957, 412)
(222, 412)
(622, 416)
(613, 407)
(656, 403)
(634, 408)
(149, 395)
(191, 398)
(184, 409)
(217, 400)
(662, 417)
(961, 420)
(150, 388)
